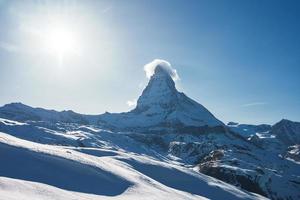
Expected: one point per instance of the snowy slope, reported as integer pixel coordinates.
(216, 153)
(40, 171)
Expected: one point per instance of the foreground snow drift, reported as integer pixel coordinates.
(59, 172)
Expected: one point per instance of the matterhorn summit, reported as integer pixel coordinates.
(161, 105)
(160, 91)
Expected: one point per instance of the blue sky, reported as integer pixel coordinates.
(240, 59)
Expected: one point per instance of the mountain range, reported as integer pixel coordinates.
(168, 146)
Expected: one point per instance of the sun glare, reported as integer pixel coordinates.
(60, 41)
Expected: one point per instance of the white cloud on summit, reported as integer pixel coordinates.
(150, 68)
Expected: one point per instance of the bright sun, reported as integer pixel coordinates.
(54, 31)
(61, 41)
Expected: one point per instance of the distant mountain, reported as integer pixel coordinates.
(21, 112)
(247, 130)
(287, 131)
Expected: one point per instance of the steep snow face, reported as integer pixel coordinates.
(161, 105)
(159, 93)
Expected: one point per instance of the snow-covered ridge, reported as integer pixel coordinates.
(22, 112)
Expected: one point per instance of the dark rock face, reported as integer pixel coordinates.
(243, 181)
(212, 165)
(213, 156)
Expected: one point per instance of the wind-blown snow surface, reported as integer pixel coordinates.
(109, 166)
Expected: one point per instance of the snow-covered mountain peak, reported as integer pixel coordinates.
(160, 90)
(161, 103)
